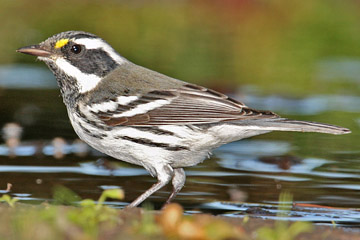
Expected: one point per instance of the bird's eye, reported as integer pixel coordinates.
(76, 49)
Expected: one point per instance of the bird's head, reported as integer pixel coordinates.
(79, 60)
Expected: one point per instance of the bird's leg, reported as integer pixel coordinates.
(164, 176)
(178, 182)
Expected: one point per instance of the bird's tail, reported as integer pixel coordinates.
(283, 124)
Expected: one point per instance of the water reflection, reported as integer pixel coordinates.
(17, 77)
(308, 106)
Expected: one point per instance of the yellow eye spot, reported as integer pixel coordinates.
(62, 42)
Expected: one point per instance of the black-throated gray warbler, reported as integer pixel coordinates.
(146, 118)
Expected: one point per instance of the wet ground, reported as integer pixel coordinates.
(321, 171)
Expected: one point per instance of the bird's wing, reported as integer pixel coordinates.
(190, 104)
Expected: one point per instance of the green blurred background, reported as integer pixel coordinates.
(277, 45)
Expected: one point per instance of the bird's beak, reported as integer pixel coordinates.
(35, 50)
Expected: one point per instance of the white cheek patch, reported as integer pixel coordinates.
(96, 43)
(86, 82)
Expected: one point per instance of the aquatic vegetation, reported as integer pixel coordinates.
(9, 200)
(283, 230)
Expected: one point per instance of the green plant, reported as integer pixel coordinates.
(282, 229)
(64, 196)
(90, 215)
(9, 200)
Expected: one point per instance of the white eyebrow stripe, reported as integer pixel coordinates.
(97, 43)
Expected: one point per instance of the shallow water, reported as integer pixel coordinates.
(241, 178)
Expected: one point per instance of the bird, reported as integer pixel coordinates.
(146, 118)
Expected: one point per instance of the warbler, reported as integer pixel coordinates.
(145, 118)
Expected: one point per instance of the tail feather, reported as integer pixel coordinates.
(283, 124)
